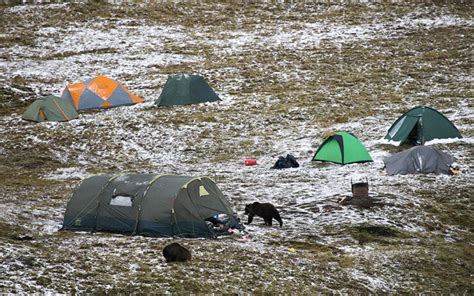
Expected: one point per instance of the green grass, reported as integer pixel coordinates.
(366, 234)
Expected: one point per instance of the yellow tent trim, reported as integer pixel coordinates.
(196, 178)
(203, 191)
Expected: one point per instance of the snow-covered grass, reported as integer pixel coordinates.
(288, 74)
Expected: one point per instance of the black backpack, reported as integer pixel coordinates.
(286, 162)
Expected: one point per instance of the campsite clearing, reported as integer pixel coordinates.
(287, 74)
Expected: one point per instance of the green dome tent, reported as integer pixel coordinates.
(184, 89)
(149, 204)
(421, 124)
(342, 148)
(50, 108)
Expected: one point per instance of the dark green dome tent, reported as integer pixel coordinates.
(149, 204)
(342, 148)
(50, 108)
(421, 124)
(419, 160)
(184, 89)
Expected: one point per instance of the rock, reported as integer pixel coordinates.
(175, 252)
(22, 237)
(363, 202)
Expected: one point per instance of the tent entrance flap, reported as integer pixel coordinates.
(331, 149)
(404, 128)
(204, 205)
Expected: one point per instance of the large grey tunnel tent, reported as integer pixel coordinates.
(419, 159)
(148, 204)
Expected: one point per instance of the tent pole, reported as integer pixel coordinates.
(141, 202)
(98, 200)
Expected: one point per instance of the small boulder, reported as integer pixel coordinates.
(175, 252)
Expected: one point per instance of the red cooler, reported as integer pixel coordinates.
(250, 162)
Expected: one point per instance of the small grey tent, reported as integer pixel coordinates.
(149, 204)
(418, 160)
(184, 89)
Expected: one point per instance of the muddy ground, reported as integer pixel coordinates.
(287, 74)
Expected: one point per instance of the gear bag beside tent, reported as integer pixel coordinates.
(149, 204)
(286, 162)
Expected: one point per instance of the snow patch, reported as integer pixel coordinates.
(73, 173)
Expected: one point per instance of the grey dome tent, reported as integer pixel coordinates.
(184, 89)
(421, 124)
(149, 204)
(417, 160)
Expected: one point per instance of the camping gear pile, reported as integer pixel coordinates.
(286, 162)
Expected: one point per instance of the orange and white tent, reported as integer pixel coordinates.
(100, 92)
